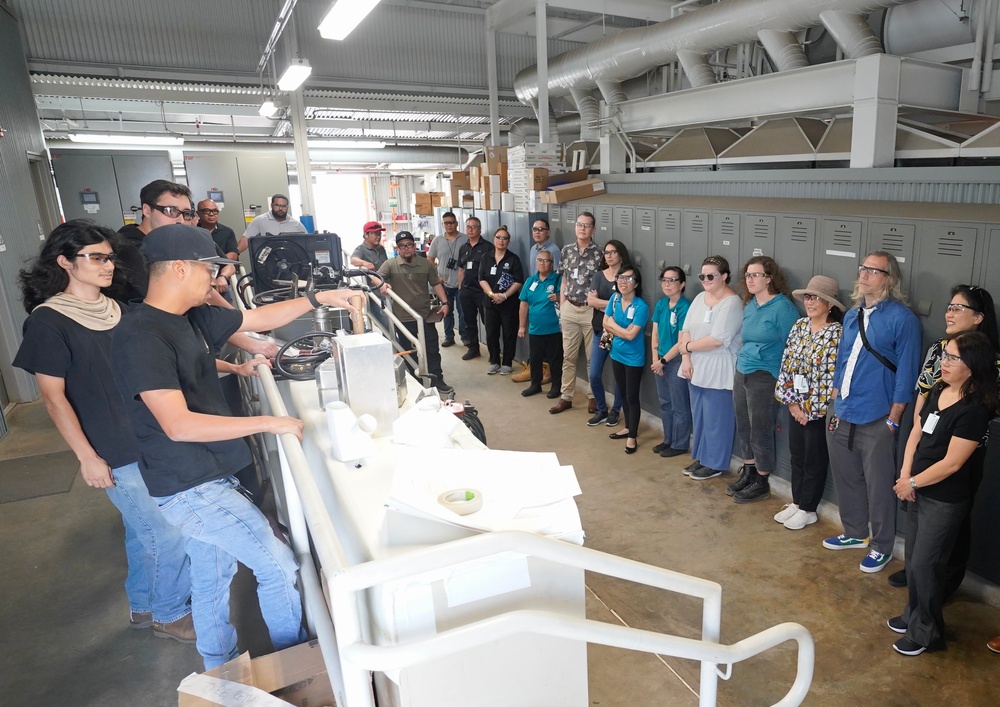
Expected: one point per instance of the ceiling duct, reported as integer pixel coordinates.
(724, 24)
(526, 129)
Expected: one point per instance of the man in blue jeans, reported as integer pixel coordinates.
(443, 254)
(190, 447)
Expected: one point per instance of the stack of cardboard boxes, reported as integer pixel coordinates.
(424, 202)
(529, 165)
(492, 180)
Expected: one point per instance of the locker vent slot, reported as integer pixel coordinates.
(624, 218)
(800, 233)
(697, 224)
(671, 221)
(727, 229)
(892, 243)
(952, 247)
(842, 238)
(761, 229)
(646, 221)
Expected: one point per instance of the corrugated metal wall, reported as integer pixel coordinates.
(19, 216)
(957, 185)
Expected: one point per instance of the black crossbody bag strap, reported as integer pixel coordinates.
(864, 340)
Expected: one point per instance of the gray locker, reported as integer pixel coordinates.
(725, 240)
(694, 247)
(134, 171)
(841, 250)
(556, 225)
(945, 258)
(896, 238)
(644, 252)
(758, 236)
(795, 244)
(624, 226)
(491, 222)
(604, 225)
(88, 188)
(569, 212)
(668, 238)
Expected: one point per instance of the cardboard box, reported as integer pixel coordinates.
(466, 199)
(422, 205)
(460, 179)
(570, 192)
(296, 675)
(495, 156)
(506, 201)
(474, 177)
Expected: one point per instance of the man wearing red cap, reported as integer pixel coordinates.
(370, 254)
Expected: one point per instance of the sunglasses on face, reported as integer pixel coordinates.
(208, 212)
(538, 229)
(669, 280)
(707, 276)
(174, 212)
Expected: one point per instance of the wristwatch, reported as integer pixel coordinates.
(663, 360)
(913, 484)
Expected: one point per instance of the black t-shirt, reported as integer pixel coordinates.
(605, 289)
(54, 345)
(501, 276)
(156, 350)
(131, 264)
(965, 419)
(469, 258)
(225, 239)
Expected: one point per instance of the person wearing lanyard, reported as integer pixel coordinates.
(625, 319)
(470, 293)
(443, 254)
(602, 288)
(539, 320)
(501, 277)
(672, 390)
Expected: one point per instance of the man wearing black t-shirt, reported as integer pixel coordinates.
(190, 447)
(470, 293)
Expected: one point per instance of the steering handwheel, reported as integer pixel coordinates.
(317, 348)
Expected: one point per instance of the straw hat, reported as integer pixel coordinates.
(821, 286)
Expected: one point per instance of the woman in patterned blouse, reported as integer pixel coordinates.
(804, 385)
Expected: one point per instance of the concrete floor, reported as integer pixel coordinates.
(65, 639)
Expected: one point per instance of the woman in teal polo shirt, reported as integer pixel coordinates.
(539, 321)
(625, 318)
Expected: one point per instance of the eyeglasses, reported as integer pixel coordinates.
(543, 260)
(871, 271)
(707, 276)
(174, 212)
(473, 226)
(670, 280)
(501, 238)
(99, 258)
(753, 275)
(539, 229)
(625, 278)
(450, 223)
(810, 297)
(208, 212)
(950, 358)
(406, 244)
(213, 268)
(581, 224)
(956, 307)
(611, 252)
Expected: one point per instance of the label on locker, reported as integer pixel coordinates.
(842, 253)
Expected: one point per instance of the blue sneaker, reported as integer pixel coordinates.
(842, 542)
(874, 561)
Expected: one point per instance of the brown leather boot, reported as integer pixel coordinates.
(180, 630)
(140, 619)
(546, 374)
(522, 376)
(994, 645)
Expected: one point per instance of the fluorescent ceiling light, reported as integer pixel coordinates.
(344, 16)
(345, 144)
(267, 109)
(294, 75)
(113, 139)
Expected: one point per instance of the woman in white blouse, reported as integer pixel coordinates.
(709, 343)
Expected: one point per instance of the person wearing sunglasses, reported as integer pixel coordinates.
(709, 343)
(873, 384)
(941, 466)
(768, 316)
(625, 319)
(67, 347)
(970, 309)
(540, 232)
(602, 287)
(271, 223)
(501, 277)
(673, 391)
(224, 237)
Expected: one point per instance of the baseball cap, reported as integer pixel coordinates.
(178, 241)
(405, 236)
(373, 227)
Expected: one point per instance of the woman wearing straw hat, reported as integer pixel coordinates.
(804, 385)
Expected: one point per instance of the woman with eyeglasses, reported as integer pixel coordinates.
(970, 309)
(66, 345)
(501, 277)
(709, 343)
(805, 384)
(672, 390)
(942, 464)
(625, 319)
(602, 287)
(768, 316)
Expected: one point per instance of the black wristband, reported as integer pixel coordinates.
(311, 296)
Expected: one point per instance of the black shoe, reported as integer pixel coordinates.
(747, 472)
(531, 390)
(597, 417)
(897, 580)
(757, 490)
(631, 450)
(614, 417)
(471, 354)
(671, 452)
(692, 467)
(897, 624)
(444, 387)
(447, 342)
(553, 394)
(660, 447)
(907, 647)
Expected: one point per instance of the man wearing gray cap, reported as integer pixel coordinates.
(190, 447)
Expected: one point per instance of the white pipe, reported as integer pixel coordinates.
(697, 68)
(635, 51)
(851, 33)
(542, 53)
(590, 113)
(976, 71)
(612, 92)
(783, 48)
(992, 10)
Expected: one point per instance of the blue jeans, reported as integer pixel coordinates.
(454, 311)
(158, 579)
(221, 526)
(597, 358)
(675, 405)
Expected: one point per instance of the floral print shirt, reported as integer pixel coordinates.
(814, 357)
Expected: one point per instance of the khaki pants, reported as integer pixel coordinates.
(577, 331)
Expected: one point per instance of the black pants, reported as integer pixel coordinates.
(472, 306)
(809, 460)
(628, 378)
(501, 331)
(430, 342)
(546, 348)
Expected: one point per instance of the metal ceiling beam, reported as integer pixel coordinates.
(505, 12)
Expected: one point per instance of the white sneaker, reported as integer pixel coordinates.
(800, 520)
(786, 512)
